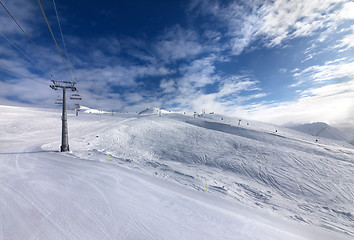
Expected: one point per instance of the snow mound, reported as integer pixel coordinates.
(152, 110)
(91, 110)
(320, 129)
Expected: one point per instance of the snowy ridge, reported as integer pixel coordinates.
(209, 177)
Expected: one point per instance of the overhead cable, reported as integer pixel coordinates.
(62, 37)
(18, 74)
(14, 45)
(56, 44)
(24, 54)
(22, 30)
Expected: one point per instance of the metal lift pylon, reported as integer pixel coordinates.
(64, 126)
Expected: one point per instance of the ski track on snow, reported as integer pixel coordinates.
(282, 173)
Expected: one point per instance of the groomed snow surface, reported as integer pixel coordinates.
(145, 176)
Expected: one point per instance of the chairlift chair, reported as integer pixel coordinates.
(59, 101)
(75, 96)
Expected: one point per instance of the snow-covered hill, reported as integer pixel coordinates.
(320, 129)
(171, 176)
(91, 110)
(152, 110)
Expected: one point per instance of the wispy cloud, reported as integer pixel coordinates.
(329, 90)
(178, 43)
(198, 73)
(332, 70)
(121, 75)
(190, 91)
(168, 86)
(346, 43)
(290, 19)
(273, 22)
(182, 67)
(331, 104)
(239, 18)
(24, 15)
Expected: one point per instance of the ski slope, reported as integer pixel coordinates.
(132, 176)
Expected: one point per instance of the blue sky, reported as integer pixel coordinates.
(276, 61)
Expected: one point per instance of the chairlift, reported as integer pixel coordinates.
(59, 101)
(75, 96)
(77, 106)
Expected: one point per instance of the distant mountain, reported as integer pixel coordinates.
(320, 129)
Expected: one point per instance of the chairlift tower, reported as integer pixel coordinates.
(64, 126)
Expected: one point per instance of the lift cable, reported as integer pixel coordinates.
(24, 54)
(14, 45)
(23, 30)
(62, 37)
(18, 74)
(56, 44)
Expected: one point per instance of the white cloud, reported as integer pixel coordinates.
(347, 41)
(324, 101)
(233, 27)
(274, 21)
(178, 43)
(26, 16)
(346, 11)
(329, 71)
(240, 19)
(329, 90)
(284, 19)
(133, 97)
(236, 84)
(198, 73)
(120, 75)
(290, 19)
(27, 91)
(332, 104)
(168, 86)
(190, 92)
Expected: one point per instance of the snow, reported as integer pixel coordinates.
(91, 110)
(152, 110)
(145, 176)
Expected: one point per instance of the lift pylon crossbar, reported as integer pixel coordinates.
(63, 84)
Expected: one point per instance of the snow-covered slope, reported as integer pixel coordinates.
(320, 129)
(170, 177)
